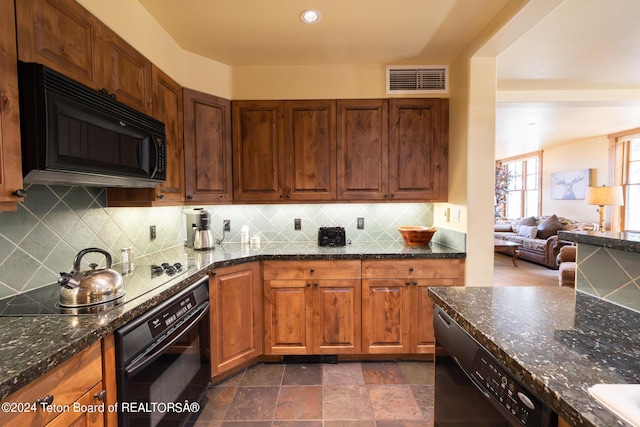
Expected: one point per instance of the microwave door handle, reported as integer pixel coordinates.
(154, 156)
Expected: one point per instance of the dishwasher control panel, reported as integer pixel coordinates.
(495, 380)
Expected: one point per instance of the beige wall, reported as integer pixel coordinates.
(586, 154)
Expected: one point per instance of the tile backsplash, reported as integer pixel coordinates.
(610, 274)
(54, 223)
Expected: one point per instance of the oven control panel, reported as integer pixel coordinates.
(493, 378)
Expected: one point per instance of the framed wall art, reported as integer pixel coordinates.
(570, 185)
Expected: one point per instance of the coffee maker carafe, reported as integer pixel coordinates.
(199, 235)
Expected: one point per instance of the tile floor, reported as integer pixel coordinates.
(346, 394)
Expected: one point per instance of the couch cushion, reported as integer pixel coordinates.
(502, 226)
(516, 223)
(528, 231)
(549, 227)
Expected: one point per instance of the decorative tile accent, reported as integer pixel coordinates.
(609, 274)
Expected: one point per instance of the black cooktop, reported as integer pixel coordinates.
(46, 300)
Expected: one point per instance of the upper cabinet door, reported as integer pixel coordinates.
(418, 149)
(363, 149)
(62, 35)
(310, 150)
(207, 145)
(10, 151)
(167, 107)
(258, 151)
(127, 73)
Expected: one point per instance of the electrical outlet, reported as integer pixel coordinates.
(297, 224)
(455, 215)
(226, 224)
(152, 232)
(360, 223)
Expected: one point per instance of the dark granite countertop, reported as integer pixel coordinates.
(558, 341)
(620, 240)
(32, 345)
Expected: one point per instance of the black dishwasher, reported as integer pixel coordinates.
(473, 389)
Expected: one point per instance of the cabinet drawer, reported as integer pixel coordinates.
(67, 383)
(311, 269)
(401, 269)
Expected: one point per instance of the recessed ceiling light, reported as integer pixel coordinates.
(310, 16)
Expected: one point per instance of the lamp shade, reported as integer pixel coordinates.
(611, 196)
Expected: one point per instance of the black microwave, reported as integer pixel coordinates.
(72, 134)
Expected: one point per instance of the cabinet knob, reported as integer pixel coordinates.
(385, 196)
(101, 396)
(43, 402)
(61, 48)
(392, 196)
(20, 193)
(415, 283)
(315, 285)
(408, 283)
(308, 285)
(410, 269)
(160, 196)
(312, 270)
(190, 197)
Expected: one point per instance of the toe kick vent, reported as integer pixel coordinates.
(417, 79)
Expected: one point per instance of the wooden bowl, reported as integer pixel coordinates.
(416, 235)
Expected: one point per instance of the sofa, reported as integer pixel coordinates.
(567, 266)
(538, 236)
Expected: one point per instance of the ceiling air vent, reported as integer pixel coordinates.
(417, 79)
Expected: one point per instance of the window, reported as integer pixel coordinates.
(524, 189)
(631, 183)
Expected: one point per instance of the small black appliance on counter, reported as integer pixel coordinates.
(331, 236)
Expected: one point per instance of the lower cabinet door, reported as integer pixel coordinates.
(85, 411)
(287, 307)
(386, 316)
(337, 316)
(236, 316)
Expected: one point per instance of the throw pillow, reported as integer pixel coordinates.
(516, 223)
(528, 231)
(549, 227)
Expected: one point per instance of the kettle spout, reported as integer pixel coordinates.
(66, 280)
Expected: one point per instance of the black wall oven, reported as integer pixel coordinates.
(163, 361)
(473, 389)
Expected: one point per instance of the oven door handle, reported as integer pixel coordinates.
(147, 359)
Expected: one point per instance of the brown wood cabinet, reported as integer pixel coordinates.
(418, 149)
(10, 150)
(64, 36)
(78, 379)
(167, 107)
(310, 150)
(126, 73)
(258, 151)
(236, 316)
(397, 313)
(284, 150)
(312, 307)
(207, 147)
(363, 149)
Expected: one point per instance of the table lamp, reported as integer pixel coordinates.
(601, 196)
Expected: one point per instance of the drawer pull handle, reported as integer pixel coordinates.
(100, 396)
(43, 402)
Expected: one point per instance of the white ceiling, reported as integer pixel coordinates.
(567, 69)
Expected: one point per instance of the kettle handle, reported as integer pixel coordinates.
(76, 261)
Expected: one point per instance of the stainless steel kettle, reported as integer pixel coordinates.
(95, 286)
